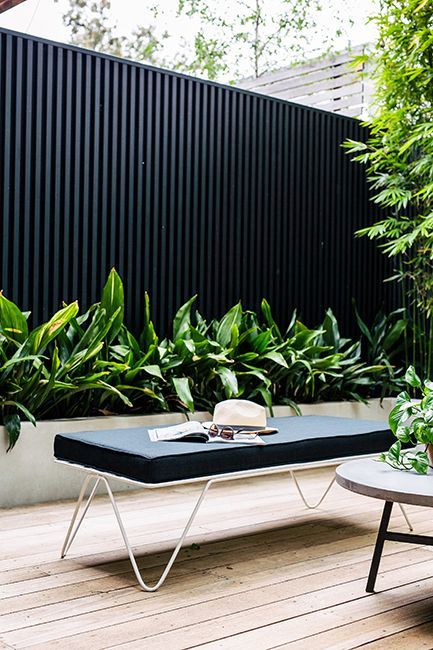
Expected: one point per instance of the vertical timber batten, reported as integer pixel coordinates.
(185, 186)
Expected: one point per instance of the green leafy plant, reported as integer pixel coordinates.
(398, 156)
(411, 421)
(80, 364)
(57, 369)
(385, 344)
(323, 365)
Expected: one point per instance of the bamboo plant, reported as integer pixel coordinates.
(398, 156)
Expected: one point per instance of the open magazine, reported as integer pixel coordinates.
(197, 432)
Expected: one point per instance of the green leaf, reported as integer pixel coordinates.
(246, 356)
(181, 386)
(148, 336)
(269, 319)
(110, 365)
(229, 381)
(256, 373)
(394, 452)
(95, 332)
(276, 357)
(419, 461)
(267, 396)
(188, 344)
(234, 339)
(121, 352)
(331, 334)
(403, 433)
(224, 331)
(12, 424)
(13, 324)
(423, 432)
(153, 370)
(143, 389)
(15, 360)
(182, 320)
(394, 334)
(77, 361)
(397, 413)
(115, 391)
(412, 378)
(261, 342)
(26, 412)
(113, 302)
(43, 335)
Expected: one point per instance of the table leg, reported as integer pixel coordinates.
(381, 536)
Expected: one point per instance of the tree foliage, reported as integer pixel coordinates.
(254, 36)
(91, 26)
(225, 42)
(399, 152)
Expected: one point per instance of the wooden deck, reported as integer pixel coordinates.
(258, 571)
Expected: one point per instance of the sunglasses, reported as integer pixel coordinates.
(228, 433)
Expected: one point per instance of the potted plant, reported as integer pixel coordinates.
(411, 421)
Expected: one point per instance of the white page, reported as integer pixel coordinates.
(176, 431)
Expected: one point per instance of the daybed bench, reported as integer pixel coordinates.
(129, 455)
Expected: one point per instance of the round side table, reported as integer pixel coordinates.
(380, 481)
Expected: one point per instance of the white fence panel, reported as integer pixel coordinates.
(330, 83)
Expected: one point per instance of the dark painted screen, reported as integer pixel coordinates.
(184, 185)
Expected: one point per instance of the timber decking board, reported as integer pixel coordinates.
(268, 573)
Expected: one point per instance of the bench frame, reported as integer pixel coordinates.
(103, 477)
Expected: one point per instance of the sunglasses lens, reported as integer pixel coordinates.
(227, 433)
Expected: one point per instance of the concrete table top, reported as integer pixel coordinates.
(380, 481)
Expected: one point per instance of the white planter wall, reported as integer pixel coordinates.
(374, 410)
(28, 473)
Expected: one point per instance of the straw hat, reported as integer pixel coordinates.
(241, 413)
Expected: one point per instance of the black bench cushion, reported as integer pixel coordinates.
(131, 454)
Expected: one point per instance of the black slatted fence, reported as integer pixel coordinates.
(184, 186)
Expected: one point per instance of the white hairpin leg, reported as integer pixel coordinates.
(301, 494)
(173, 556)
(72, 531)
(70, 538)
(316, 505)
